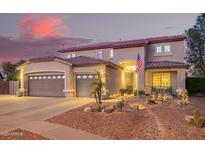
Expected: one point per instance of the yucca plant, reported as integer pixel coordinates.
(97, 87)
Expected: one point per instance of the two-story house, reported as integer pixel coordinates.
(72, 72)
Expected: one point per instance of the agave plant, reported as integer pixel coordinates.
(97, 87)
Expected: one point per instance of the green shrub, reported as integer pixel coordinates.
(119, 105)
(19, 93)
(129, 90)
(97, 108)
(141, 92)
(197, 120)
(123, 91)
(195, 85)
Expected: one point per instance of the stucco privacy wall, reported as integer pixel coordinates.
(51, 66)
(177, 49)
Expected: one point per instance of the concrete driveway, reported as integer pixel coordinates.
(37, 108)
(29, 113)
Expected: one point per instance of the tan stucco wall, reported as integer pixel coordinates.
(177, 49)
(89, 69)
(114, 80)
(52, 66)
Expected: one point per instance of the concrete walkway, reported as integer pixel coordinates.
(29, 114)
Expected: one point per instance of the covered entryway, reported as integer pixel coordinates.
(46, 85)
(83, 84)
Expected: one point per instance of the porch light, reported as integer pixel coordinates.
(130, 68)
(84, 76)
(78, 77)
(90, 76)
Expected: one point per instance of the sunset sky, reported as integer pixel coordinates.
(24, 36)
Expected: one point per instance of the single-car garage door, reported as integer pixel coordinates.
(83, 84)
(46, 85)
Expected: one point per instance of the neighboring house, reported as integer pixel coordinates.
(70, 74)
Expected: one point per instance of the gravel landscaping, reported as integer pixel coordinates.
(20, 134)
(159, 121)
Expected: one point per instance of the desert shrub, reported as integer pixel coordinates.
(183, 95)
(97, 108)
(195, 85)
(119, 105)
(129, 90)
(19, 93)
(109, 109)
(141, 92)
(123, 91)
(197, 120)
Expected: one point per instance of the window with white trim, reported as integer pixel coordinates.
(167, 48)
(73, 55)
(99, 54)
(158, 49)
(68, 56)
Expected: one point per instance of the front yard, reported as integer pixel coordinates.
(20, 134)
(159, 121)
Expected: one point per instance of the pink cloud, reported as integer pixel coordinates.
(39, 26)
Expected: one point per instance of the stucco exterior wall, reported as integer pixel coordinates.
(114, 80)
(52, 66)
(88, 69)
(178, 52)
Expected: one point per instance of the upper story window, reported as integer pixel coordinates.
(167, 49)
(72, 55)
(163, 50)
(99, 54)
(68, 56)
(159, 49)
(111, 53)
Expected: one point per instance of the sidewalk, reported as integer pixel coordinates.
(58, 132)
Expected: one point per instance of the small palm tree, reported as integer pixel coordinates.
(97, 87)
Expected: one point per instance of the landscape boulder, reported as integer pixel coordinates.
(87, 109)
(109, 109)
(189, 118)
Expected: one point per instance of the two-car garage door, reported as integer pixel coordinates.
(53, 85)
(46, 85)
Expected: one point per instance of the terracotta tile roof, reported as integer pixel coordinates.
(76, 61)
(125, 44)
(165, 65)
(85, 61)
(82, 60)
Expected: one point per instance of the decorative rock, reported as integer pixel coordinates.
(179, 102)
(141, 107)
(189, 118)
(109, 109)
(87, 109)
(96, 108)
